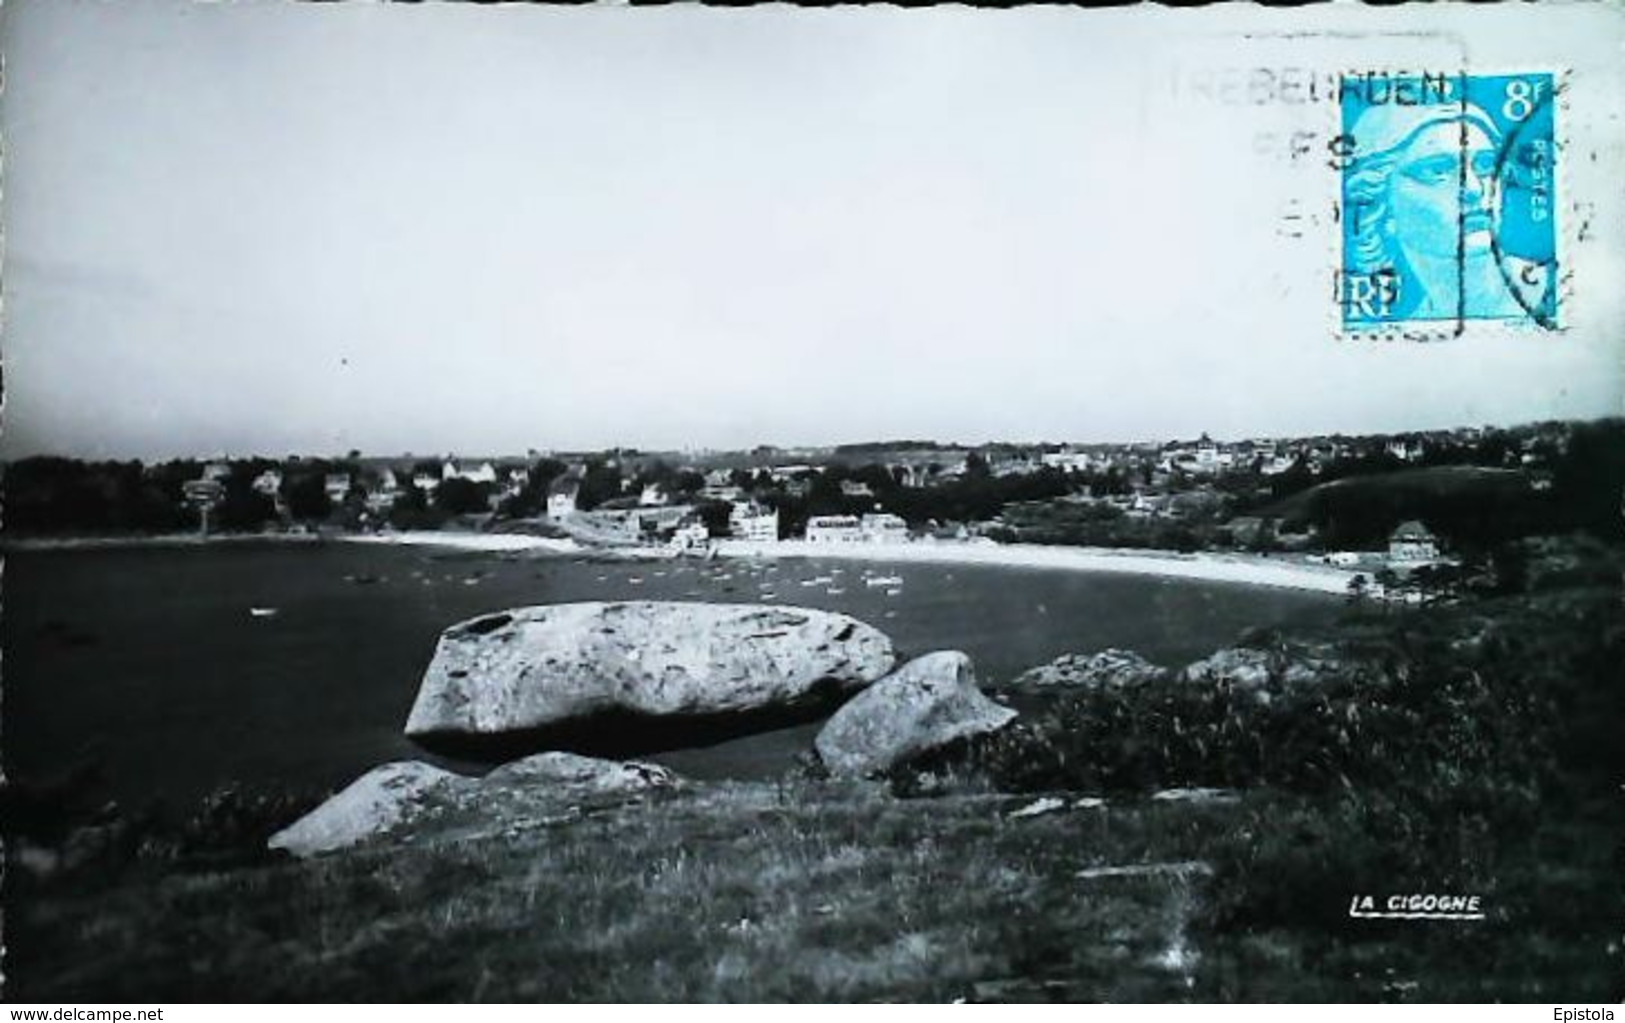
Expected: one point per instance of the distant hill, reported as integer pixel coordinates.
(1463, 503)
(883, 447)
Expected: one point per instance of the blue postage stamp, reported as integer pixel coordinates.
(1449, 211)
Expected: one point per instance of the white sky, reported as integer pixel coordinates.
(269, 227)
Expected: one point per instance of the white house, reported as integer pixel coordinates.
(561, 496)
(834, 529)
(1207, 454)
(337, 485)
(1067, 460)
(653, 495)
(884, 527)
(691, 535)
(1405, 450)
(269, 482)
(484, 473)
(748, 520)
(856, 488)
(1412, 542)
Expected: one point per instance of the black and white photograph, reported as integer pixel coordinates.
(539, 503)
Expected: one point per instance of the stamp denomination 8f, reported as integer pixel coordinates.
(1448, 199)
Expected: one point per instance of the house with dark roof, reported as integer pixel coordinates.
(1412, 542)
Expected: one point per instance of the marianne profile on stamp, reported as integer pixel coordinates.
(1447, 203)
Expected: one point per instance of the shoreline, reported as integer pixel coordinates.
(1209, 566)
(492, 542)
(1203, 566)
(90, 543)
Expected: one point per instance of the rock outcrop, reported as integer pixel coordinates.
(392, 798)
(380, 800)
(927, 703)
(1285, 666)
(1109, 669)
(1236, 667)
(573, 777)
(624, 678)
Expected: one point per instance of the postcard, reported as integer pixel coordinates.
(577, 504)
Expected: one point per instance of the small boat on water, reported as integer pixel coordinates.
(884, 580)
(263, 612)
(835, 591)
(893, 592)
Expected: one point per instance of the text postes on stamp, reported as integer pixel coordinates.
(1448, 200)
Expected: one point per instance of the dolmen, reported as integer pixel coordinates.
(624, 678)
(537, 688)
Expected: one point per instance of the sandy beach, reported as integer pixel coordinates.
(498, 542)
(1208, 566)
(1211, 567)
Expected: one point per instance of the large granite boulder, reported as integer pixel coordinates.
(927, 703)
(623, 678)
(397, 798)
(1110, 669)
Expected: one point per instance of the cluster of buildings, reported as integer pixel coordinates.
(1176, 480)
(652, 518)
(1527, 447)
(878, 527)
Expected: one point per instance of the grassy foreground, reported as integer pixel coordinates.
(814, 892)
(733, 892)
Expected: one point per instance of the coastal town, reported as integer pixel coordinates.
(1393, 512)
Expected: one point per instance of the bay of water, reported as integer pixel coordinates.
(149, 662)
